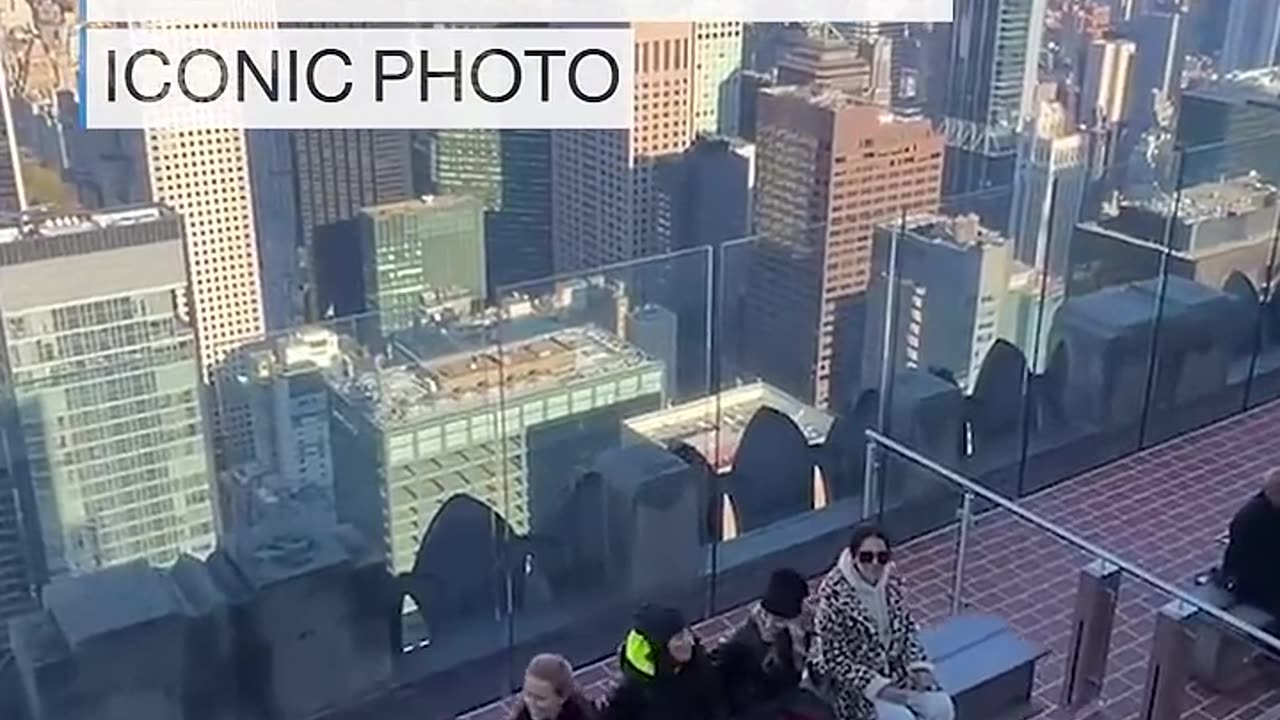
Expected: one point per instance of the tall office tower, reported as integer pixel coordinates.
(1229, 127)
(284, 457)
(1157, 71)
(903, 42)
(944, 299)
(992, 74)
(703, 196)
(420, 257)
(1105, 88)
(1253, 35)
(602, 180)
(203, 175)
(13, 194)
(102, 399)
(1048, 190)
(508, 169)
(341, 171)
(829, 168)
(717, 61)
(827, 60)
(750, 83)
(763, 44)
(16, 579)
(275, 216)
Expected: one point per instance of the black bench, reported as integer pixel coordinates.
(1222, 658)
(986, 667)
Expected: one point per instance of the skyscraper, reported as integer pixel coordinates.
(13, 196)
(1048, 191)
(417, 254)
(1104, 92)
(995, 48)
(102, 403)
(944, 299)
(275, 213)
(829, 168)
(341, 171)
(203, 174)
(508, 170)
(717, 58)
(826, 60)
(992, 74)
(1253, 35)
(602, 180)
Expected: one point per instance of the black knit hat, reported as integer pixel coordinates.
(659, 624)
(786, 594)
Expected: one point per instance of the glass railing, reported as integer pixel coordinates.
(1146, 317)
(1134, 641)
(533, 465)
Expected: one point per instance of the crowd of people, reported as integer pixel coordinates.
(850, 651)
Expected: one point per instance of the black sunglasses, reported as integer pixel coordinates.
(866, 557)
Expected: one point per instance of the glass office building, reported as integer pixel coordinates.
(102, 405)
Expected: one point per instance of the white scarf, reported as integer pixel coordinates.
(873, 597)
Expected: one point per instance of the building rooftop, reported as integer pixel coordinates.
(1212, 200)
(417, 391)
(835, 99)
(418, 204)
(696, 423)
(111, 599)
(35, 225)
(962, 231)
(1261, 85)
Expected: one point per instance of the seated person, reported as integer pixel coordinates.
(761, 665)
(1250, 569)
(666, 675)
(866, 652)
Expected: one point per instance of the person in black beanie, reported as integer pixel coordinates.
(762, 663)
(666, 674)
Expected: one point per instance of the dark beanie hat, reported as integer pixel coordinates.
(659, 624)
(786, 594)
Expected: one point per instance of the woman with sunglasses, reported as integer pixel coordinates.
(867, 654)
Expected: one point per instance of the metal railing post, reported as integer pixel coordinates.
(1255, 634)
(962, 546)
(869, 474)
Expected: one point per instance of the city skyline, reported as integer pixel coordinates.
(497, 357)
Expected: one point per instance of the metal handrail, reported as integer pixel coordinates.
(972, 487)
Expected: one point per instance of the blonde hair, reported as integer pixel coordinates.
(554, 671)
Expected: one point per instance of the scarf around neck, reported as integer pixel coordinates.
(798, 628)
(873, 597)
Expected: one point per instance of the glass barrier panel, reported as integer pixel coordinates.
(605, 409)
(1220, 262)
(386, 422)
(1098, 624)
(1087, 400)
(789, 467)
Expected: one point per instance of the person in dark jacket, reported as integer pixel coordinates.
(1249, 566)
(762, 663)
(666, 674)
(550, 693)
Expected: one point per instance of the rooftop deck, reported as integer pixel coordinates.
(1164, 509)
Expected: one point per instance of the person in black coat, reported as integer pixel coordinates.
(1249, 566)
(762, 664)
(666, 674)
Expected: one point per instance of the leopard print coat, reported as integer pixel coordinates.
(849, 660)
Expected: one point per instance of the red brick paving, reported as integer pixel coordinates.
(1163, 509)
